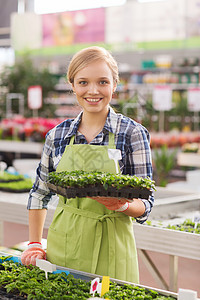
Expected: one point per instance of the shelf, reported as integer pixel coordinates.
(188, 159)
(167, 241)
(89, 276)
(174, 86)
(21, 147)
(173, 69)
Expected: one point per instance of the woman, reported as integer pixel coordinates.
(94, 235)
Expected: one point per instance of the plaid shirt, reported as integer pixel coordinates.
(130, 137)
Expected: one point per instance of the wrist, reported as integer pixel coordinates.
(123, 208)
(34, 244)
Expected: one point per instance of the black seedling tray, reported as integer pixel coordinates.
(99, 190)
(10, 180)
(4, 189)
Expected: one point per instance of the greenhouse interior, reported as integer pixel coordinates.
(100, 128)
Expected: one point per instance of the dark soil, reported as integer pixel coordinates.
(8, 296)
(98, 190)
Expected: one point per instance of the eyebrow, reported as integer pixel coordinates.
(84, 78)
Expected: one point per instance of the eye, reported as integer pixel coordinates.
(103, 82)
(82, 82)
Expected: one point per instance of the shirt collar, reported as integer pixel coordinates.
(110, 124)
(74, 126)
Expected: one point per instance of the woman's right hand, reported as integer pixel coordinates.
(28, 257)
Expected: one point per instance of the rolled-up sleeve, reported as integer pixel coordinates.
(139, 163)
(40, 194)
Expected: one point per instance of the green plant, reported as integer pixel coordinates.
(188, 226)
(5, 177)
(164, 161)
(23, 74)
(127, 291)
(30, 283)
(25, 184)
(81, 178)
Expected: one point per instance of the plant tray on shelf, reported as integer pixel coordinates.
(22, 186)
(7, 190)
(22, 282)
(10, 180)
(7, 177)
(83, 184)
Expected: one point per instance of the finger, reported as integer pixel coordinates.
(23, 259)
(33, 259)
(27, 259)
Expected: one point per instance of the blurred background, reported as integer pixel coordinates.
(157, 47)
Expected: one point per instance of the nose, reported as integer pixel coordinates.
(93, 89)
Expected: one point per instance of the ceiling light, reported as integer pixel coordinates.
(52, 6)
(145, 1)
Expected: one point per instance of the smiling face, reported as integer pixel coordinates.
(94, 86)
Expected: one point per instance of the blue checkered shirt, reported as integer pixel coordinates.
(130, 137)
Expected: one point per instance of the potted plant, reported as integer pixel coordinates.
(164, 161)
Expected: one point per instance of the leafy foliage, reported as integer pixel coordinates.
(126, 291)
(25, 184)
(164, 161)
(31, 283)
(82, 178)
(5, 176)
(188, 226)
(23, 74)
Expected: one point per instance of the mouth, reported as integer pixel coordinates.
(93, 100)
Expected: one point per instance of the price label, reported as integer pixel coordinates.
(196, 220)
(35, 97)
(162, 98)
(193, 99)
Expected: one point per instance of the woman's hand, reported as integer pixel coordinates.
(118, 204)
(133, 209)
(28, 257)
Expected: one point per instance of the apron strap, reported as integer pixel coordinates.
(111, 142)
(72, 140)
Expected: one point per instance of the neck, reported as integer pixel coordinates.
(91, 124)
(93, 120)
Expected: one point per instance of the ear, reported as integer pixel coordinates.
(73, 88)
(114, 87)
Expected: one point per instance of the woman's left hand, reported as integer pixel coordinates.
(113, 203)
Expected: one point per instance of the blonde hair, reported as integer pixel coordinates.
(89, 55)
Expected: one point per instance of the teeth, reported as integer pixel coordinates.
(92, 100)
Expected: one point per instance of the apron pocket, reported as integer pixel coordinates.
(56, 247)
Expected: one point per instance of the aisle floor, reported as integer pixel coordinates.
(188, 272)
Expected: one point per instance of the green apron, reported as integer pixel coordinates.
(84, 234)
